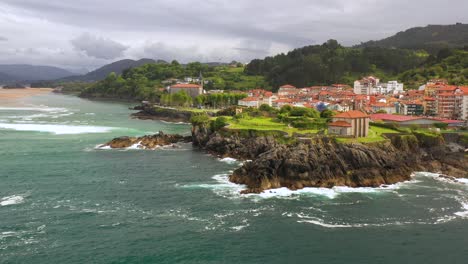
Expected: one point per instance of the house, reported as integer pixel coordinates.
(414, 108)
(352, 123)
(250, 102)
(287, 90)
(193, 90)
(365, 85)
(372, 85)
(381, 106)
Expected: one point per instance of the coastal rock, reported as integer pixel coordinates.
(322, 162)
(146, 142)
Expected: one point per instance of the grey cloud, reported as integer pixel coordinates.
(213, 29)
(3, 38)
(98, 47)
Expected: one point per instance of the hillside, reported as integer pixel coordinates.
(118, 67)
(450, 64)
(431, 38)
(332, 63)
(23, 72)
(140, 83)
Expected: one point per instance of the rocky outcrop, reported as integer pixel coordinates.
(322, 162)
(146, 142)
(164, 114)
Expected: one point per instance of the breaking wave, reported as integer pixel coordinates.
(56, 129)
(11, 200)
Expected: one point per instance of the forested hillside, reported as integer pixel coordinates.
(431, 38)
(448, 64)
(142, 82)
(332, 63)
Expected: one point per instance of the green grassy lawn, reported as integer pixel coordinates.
(264, 124)
(375, 135)
(196, 110)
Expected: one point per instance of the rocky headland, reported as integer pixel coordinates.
(276, 160)
(323, 162)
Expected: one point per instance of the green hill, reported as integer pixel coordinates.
(449, 64)
(332, 63)
(431, 38)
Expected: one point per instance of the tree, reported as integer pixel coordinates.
(199, 119)
(327, 114)
(442, 126)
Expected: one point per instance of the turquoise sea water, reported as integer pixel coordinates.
(64, 201)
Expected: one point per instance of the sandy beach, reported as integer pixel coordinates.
(13, 97)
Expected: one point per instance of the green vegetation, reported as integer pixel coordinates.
(332, 63)
(180, 98)
(288, 119)
(199, 119)
(431, 38)
(142, 83)
(375, 135)
(448, 64)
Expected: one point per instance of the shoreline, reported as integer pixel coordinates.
(13, 97)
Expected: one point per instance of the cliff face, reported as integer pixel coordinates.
(324, 163)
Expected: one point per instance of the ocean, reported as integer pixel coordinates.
(64, 200)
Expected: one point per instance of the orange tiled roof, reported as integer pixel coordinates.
(352, 114)
(185, 85)
(340, 124)
(287, 86)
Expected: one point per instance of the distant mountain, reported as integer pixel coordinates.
(6, 78)
(431, 38)
(23, 72)
(117, 67)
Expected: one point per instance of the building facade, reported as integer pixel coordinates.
(351, 123)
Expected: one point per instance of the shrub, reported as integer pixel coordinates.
(414, 127)
(219, 123)
(442, 126)
(265, 108)
(199, 119)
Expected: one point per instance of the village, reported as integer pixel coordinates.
(434, 106)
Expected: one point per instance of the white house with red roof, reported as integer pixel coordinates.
(287, 90)
(352, 123)
(250, 102)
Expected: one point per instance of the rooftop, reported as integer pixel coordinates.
(340, 124)
(185, 85)
(352, 114)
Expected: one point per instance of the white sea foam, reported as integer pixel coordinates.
(463, 213)
(102, 147)
(174, 123)
(462, 180)
(239, 228)
(228, 189)
(40, 109)
(11, 200)
(229, 160)
(56, 129)
(136, 146)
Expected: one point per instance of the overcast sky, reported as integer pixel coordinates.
(78, 34)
